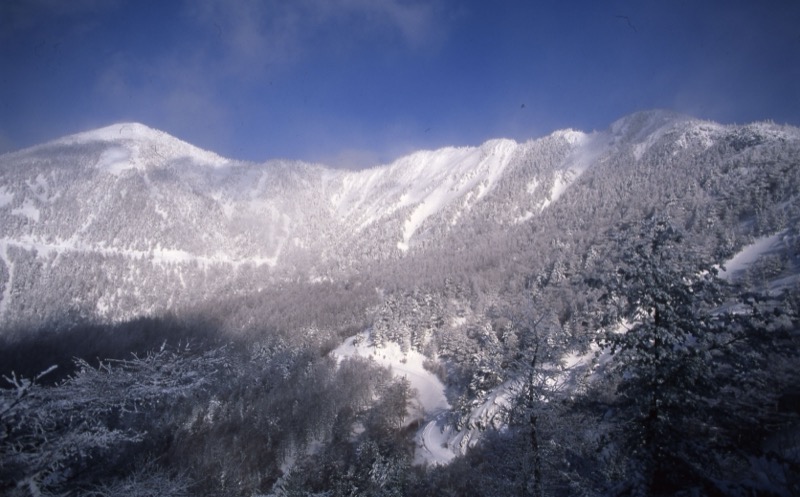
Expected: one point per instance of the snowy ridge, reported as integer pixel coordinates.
(587, 149)
(131, 191)
(641, 126)
(643, 129)
(424, 182)
(120, 131)
(138, 145)
(406, 193)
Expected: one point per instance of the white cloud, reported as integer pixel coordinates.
(416, 23)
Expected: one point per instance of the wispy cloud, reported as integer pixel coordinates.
(417, 23)
(352, 158)
(173, 89)
(256, 34)
(209, 56)
(6, 144)
(244, 44)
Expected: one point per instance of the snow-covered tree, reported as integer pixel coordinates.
(52, 435)
(685, 353)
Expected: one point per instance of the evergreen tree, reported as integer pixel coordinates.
(681, 362)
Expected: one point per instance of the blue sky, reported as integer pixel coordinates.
(358, 82)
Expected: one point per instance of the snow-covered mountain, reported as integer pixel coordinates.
(392, 316)
(126, 220)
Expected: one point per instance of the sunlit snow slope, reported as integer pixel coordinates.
(138, 200)
(150, 223)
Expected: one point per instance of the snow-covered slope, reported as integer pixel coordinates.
(773, 259)
(134, 145)
(159, 216)
(421, 185)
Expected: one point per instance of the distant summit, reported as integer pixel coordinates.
(116, 132)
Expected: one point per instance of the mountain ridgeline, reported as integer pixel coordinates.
(126, 221)
(559, 296)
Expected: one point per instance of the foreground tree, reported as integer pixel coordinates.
(52, 437)
(691, 363)
(538, 363)
(532, 345)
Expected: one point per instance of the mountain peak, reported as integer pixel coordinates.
(118, 131)
(135, 143)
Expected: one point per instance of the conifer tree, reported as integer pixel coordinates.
(683, 362)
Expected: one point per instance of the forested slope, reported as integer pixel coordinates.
(562, 289)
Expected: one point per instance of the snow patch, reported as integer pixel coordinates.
(750, 254)
(527, 215)
(6, 197)
(457, 321)
(438, 441)
(27, 209)
(115, 161)
(489, 414)
(103, 307)
(429, 389)
(449, 175)
(563, 180)
(639, 149)
(588, 148)
(702, 132)
(39, 188)
(160, 211)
